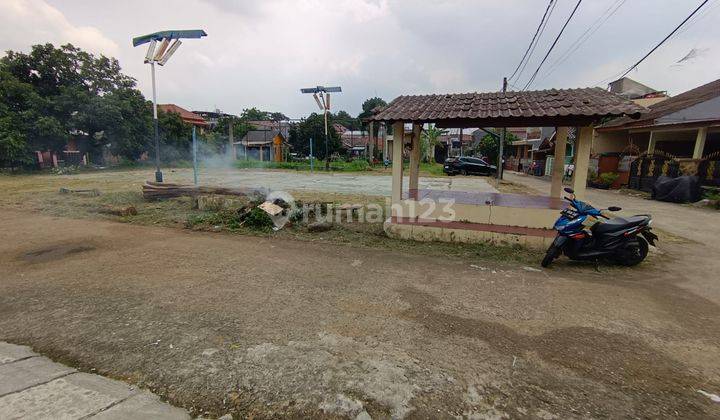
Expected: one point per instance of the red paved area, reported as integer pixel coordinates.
(495, 199)
(479, 227)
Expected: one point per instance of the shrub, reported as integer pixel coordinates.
(608, 178)
(65, 170)
(258, 219)
(358, 165)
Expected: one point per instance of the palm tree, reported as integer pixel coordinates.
(430, 139)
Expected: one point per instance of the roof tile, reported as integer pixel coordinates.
(587, 102)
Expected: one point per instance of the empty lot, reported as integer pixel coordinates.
(234, 324)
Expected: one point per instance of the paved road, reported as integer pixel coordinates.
(335, 183)
(34, 387)
(685, 221)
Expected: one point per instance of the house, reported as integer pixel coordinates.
(282, 126)
(520, 156)
(684, 128)
(187, 116)
(637, 92)
(213, 117)
(355, 141)
(453, 144)
(267, 142)
(339, 128)
(264, 145)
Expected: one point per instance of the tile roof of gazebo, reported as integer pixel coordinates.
(563, 107)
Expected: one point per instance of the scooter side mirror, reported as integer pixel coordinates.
(614, 208)
(569, 190)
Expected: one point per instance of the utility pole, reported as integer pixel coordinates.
(194, 150)
(169, 42)
(323, 102)
(231, 139)
(312, 168)
(156, 130)
(502, 139)
(327, 109)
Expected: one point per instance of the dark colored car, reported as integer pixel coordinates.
(465, 165)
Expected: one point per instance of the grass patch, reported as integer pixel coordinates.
(180, 213)
(357, 165)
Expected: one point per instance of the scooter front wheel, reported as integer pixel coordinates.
(550, 255)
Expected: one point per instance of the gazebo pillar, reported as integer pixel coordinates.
(397, 161)
(371, 143)
(558, 168)
(583, 143)
(415, 159)
(700, 143)
(382, 133)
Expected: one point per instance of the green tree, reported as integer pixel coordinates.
(51, 93)
(17, 103)
(367, 110)
(175, 138)
(430, 139)
(254, 114)
(347, 120)
(369, 105)
(313, 127)
(489, 146)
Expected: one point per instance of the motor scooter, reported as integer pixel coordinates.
(587, 233)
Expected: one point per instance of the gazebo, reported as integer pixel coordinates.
(472, 217)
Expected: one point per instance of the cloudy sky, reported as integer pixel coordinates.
(259, 53)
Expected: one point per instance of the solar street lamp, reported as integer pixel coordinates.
(162, 46)
(322, 98)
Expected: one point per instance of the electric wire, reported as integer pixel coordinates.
(589, 32)
(624, 73)
(532, 41)
(532, 50)
(557, 38)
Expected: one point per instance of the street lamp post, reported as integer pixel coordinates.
(160, 55)
(322, 98)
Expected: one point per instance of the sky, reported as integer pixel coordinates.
(260, 53)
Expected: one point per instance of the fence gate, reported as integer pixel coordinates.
(646, 169)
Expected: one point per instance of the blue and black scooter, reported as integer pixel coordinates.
(585, 233)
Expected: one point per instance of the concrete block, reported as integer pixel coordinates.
(142, 406)
(426, 233)
(74, 396)
(26, 373)
(11, 352)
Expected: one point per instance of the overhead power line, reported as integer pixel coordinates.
(664, 39)
(532, 41)
(537, 41)
(604, 17)
(557, 38)
(700, 16)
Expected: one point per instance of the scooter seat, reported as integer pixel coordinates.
(619, 223)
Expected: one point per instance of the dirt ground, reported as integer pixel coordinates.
(266, 327)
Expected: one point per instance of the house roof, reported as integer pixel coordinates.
(630, 88)
(258, 137)
(669, 106)
(187, 116)
(510, 109)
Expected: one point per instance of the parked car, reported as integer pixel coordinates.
(465, 165)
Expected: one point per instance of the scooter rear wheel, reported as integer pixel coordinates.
(633, 254)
